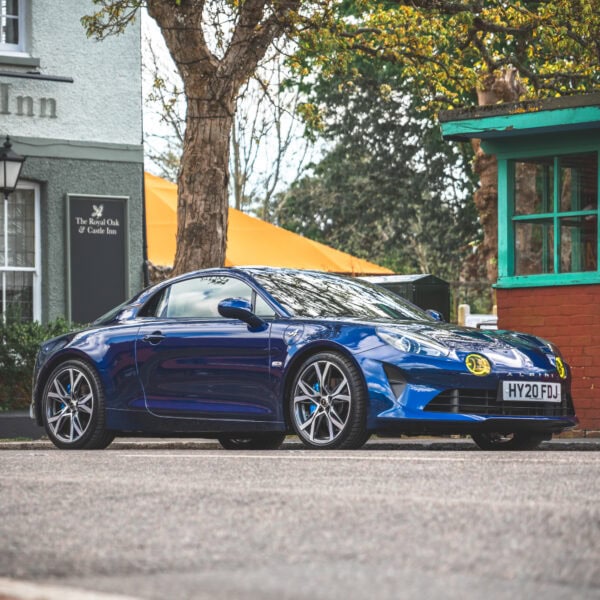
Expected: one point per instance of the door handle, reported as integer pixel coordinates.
(156, 337)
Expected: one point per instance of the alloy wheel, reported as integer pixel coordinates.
(69, 404)
(322, 402)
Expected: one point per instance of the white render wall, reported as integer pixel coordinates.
(102, 105)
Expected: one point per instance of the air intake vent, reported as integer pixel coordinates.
(396, 379)
(485, 403)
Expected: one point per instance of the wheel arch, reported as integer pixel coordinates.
(46, 371)
(298, 359)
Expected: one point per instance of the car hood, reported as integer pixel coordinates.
(503, 347)
(465, 338)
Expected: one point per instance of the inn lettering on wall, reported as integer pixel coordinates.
(25, 106)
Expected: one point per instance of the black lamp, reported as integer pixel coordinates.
(11, 164)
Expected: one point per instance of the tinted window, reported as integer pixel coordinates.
(307, 294)
(262, 309)
(113, 313)
(200, 297)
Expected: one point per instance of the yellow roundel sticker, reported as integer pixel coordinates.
(478, 365)
(560, 367)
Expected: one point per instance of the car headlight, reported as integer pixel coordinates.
(549, 346)
(555, 358)
(412, 343)
(546, 346)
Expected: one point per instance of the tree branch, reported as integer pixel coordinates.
(255, 31)
(181, 26)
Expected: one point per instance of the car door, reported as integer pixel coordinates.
(195, 364)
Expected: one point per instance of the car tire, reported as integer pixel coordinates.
(513, 441)
(328, 403)
(73, 408)
(262, 441)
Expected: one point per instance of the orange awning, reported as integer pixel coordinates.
(250, 241)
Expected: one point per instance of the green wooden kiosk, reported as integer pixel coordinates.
(548, 239)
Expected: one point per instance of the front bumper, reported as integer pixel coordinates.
(422, 399)
(468, 424)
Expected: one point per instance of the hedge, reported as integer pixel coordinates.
(19, 345)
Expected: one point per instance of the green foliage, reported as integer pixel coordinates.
(450, 49)
(390, 190)
(19, 345)
(449, 54)
(111, 18)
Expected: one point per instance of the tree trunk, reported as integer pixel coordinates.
(486, 202)
(202, 208)
(502, 88)
(211, 85)
(238, 175)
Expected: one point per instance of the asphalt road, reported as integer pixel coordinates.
(371, 524)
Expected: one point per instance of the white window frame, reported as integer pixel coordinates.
(21, 47)
(36, 269)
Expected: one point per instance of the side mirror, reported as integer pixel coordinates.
(435, 315)
(238, 308)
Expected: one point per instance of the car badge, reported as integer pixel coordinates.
(560, 368)
(293, 334)
(478, 365)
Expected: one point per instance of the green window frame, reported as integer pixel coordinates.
(550, 221)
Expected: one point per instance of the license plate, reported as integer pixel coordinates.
(532, 391)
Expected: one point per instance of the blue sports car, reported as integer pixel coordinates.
(248, 356)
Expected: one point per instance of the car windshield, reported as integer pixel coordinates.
(318, 295)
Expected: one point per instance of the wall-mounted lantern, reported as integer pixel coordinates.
(11, 164)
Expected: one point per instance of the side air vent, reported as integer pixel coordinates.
(396, 379)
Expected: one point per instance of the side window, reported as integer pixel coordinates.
(200, 297)
(262, 309)
(155, 305)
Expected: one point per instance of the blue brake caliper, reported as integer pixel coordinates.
(68, 390)
(312, 406)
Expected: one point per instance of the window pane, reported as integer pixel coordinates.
(534, 247)
(9, 34)
(200, 297)
(578, 244)
(21, 229)
(12, 7)
(578, 182)
(534, 186)
(2, 255)
(9, 22)
(19, 295)
(262, 309)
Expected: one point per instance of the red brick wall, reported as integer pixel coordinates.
(569, 316)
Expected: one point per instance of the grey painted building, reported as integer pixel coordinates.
(72, 238)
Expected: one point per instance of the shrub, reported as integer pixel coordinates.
(19, 344)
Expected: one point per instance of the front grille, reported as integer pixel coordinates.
(486, 403)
